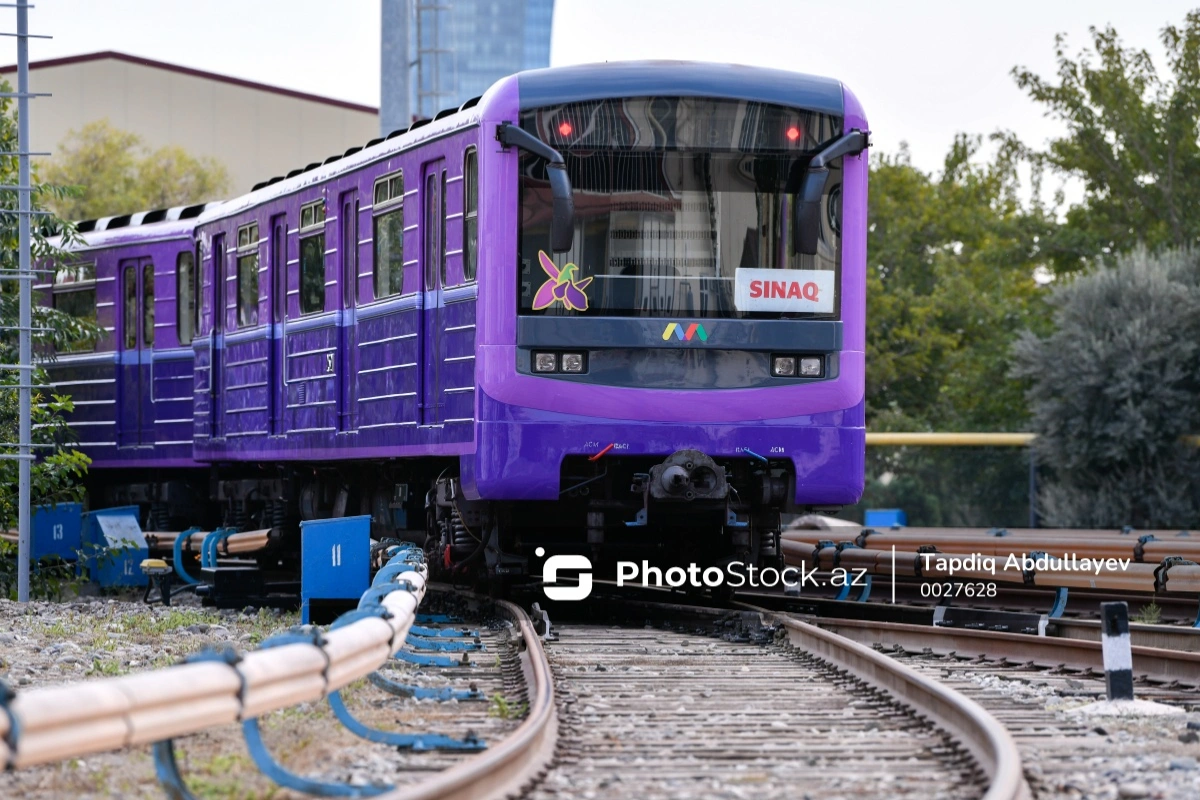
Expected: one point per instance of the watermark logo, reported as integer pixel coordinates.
(570, 562)
(685, 334)
(734, 575)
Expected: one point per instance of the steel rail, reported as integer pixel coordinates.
(1154, 663)
(1144, 564)
(1164, 637)
(513, 763)
(981, 734)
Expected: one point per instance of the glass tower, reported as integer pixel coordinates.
(439, 53)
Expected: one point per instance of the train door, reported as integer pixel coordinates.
(146, 353)
(135, 416)
(277, 392)
(216, 342)
(348, 326)
(433, 249)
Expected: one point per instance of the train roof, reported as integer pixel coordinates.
(142, 226)
(555, 85)
(536, 88)
(374, 150)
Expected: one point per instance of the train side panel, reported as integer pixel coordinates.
(133, 392)
(357, 368)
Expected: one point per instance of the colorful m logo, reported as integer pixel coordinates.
(695, 329)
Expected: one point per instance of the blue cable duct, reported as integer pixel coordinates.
(389, 579)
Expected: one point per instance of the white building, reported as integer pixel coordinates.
(256, 131)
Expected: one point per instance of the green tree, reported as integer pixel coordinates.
(951, 265)
(57, 474)
(117, 174)
(1113, 394)
(1132, 140)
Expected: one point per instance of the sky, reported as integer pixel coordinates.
(923, 69)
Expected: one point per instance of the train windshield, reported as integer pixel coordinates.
(682, 208)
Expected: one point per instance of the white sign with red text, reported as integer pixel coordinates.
(796, 290)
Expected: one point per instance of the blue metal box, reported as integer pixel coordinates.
(335, 560)
(884, 518)
(114, 546)
(56, 531)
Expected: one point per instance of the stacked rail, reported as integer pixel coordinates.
(1123, 561)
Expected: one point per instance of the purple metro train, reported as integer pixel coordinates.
(617, 304)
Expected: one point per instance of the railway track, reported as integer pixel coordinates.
(1013, 618)
(718, 706)
(1066, 753)
(1035, 687)
(738, 703)
(715, 705)
(513, 763)
(1160, 665)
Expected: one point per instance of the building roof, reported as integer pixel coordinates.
(196, 73)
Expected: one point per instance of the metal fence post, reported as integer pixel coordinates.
(25, 282)
(1033, 515)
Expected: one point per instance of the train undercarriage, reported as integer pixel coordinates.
(685, 508)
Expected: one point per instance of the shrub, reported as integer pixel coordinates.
(1114, 392)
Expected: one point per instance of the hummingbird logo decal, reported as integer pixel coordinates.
(561, 286)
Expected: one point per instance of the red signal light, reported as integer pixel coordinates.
(793, 133)
(564, 128)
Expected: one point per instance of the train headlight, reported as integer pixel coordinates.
(783, 366)
(572, 362)
(811, 367)
(545, 362)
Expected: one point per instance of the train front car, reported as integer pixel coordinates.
(671, 348)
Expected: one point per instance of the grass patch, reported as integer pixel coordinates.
(222, 777)
(1149, 614)
(156, 625)
(500, 707)
(107, 667)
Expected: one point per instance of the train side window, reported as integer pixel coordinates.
(74, 293)
(470, 214)
(312, 258)
(197, 285)
(148, 304)
(247, 276)
(185, 297)
(312, 274)
(129, 320)
(442, 243)
(312, 215)
(388, 236)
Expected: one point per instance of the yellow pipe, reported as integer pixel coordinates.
(967, 439)
(952, 439)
